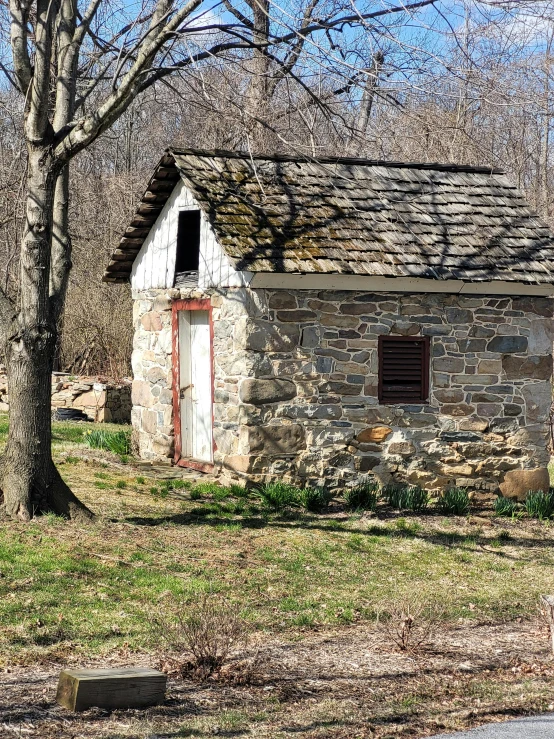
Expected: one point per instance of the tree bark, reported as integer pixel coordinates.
(259, 94)
(29, 480)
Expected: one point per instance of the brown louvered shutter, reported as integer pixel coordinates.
(403, 369)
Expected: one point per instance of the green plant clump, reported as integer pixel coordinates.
(505, 506)
(406, 497)
(363, 496)
(454, 501)
(539, 504)
(118, 442)
(315, 499)
(278, 495)
(417, 499)
(211, 488)
(396, 496)
(238, 491)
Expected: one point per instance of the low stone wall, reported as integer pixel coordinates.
(100, 401)
(296, 387)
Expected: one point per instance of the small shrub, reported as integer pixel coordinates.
(278, 495)
(505, 506)
(539, 504)
(118, 442)
(121, 484)
(410, 624)
(154, 490)
(454, 501)
(203, 634)
(315, 499)
(363, 496)
(140, 480)
(195, 494)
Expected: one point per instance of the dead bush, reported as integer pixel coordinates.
(202, 637)
(410, 623)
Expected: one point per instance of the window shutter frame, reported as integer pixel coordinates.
(425, 343)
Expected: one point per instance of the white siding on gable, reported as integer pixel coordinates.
(215, 269)
(154, 266)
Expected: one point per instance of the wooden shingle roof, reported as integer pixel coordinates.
(352, 216)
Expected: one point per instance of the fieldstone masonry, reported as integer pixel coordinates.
(296, 387)
(101, 401)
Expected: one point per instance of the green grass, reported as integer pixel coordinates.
(287, 574)
(95, 587)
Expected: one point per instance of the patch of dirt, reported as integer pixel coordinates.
(347, 682)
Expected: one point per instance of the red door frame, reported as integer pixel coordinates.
(177, 306)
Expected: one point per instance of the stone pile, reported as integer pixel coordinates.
(100, 401)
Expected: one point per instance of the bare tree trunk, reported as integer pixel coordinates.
(259, 93)
(29, 481)
(368, 98)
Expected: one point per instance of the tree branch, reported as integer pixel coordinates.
(87, 130)
(238, 15)
(60, 265)
(220, 48)
(38, 123)
(350, 19)
(19, 14)
(294, 54)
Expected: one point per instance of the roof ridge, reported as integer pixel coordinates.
(437, 166)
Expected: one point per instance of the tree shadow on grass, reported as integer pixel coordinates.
(308, 522)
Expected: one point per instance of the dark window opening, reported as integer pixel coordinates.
(403, 369)
(188, 244)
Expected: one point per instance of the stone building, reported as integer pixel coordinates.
(324, 319)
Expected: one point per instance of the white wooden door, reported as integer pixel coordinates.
(195, 369)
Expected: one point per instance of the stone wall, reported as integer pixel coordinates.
(296, 386)
(152, 414)
(101, 401)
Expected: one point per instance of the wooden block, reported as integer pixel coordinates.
(125, 687)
